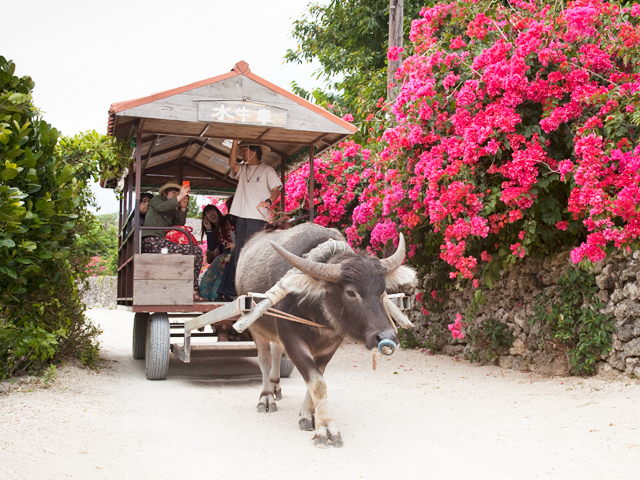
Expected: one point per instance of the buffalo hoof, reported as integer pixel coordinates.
(307, 424)
(320, 441)
(278, 395)
(262, 408)
(335, 440)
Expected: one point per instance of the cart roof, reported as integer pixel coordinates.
(184, 129)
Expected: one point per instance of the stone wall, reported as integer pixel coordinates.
(101, 292)
(512, 301)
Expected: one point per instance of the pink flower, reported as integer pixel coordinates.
(564, 167)
(394, 53)
(348, 118)
(456, 327)
(457, 43)
(518, 250)
(581, 22)
(562, 225)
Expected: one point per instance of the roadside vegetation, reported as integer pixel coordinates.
(44, 211)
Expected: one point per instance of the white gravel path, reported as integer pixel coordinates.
(416, 416)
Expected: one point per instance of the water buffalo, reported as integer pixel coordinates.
(345, 294)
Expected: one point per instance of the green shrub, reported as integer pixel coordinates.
(44, 201)
(488, 340)
(571, 324)
(408, 338)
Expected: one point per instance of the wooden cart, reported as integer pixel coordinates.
(181, 134)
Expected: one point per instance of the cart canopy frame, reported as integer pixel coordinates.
(181, 134)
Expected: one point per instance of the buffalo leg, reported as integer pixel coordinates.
(315, 405)
(307, 410)
(327, 431)
(267, 402)
(276, 356)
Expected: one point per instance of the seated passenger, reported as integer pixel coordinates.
(168, 209)
(145, 198)
(221, 238)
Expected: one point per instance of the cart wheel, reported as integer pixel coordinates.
(286, 366)
(157, 354)
(140, 322)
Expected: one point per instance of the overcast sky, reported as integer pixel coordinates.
(85, 55)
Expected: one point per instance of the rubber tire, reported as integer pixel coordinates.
(286, 366)
(139, 343)
(158, 339)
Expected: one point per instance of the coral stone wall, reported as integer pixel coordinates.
(101, 292)
(513, 300)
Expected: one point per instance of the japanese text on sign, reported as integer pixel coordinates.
(241, 112)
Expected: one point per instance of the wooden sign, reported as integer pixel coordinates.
(241, 112)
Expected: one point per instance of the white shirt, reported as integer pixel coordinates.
(255, 183)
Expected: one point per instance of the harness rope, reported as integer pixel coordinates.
(287, 316)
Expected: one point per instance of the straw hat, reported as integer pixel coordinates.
(264, 148)
(167, 186)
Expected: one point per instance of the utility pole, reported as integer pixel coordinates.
(396, 30)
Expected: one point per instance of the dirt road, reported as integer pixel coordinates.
(416, 416)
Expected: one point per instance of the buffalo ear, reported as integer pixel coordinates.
(304, 285)
(400, 278)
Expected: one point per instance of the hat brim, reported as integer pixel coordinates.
(167, 186)
(264, 148)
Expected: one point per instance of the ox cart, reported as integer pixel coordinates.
(181, 135)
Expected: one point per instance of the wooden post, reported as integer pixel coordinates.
(312, 186)
(396, 30)
(136, 215)
(283, 167)
(129, 186)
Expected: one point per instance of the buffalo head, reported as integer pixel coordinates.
(351, 288)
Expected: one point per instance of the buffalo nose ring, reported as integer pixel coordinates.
(387, 346)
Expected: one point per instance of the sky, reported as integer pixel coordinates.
(85, 55)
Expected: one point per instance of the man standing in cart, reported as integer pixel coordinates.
(258, 188)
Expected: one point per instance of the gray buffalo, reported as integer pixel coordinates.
(343, 293)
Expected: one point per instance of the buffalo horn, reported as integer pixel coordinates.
(320, 271)
(395, 260)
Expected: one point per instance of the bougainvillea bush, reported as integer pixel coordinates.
(339, 182)
(516, 134)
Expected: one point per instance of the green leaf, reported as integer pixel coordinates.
(66, 174)
(47, 213)
(24, 261)
(7, 242)
(9, 271)
(489, 281)
(9, 173)
(29, 246)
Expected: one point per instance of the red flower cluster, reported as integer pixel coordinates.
(478, 122)
(337, 177)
